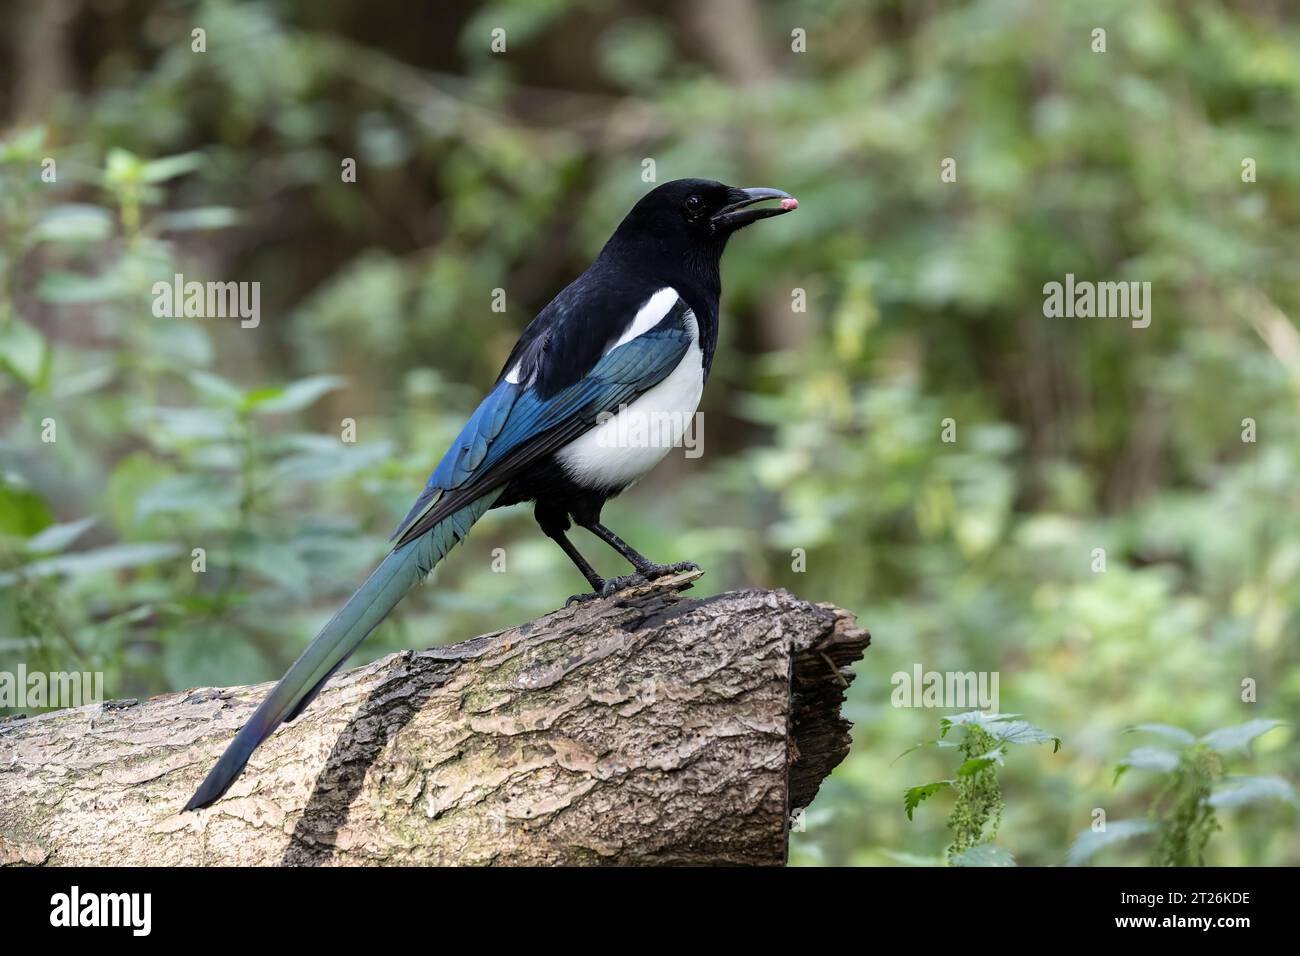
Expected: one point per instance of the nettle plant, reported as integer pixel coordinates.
(1193, 785)
(977, 812)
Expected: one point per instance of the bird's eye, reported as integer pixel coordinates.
(694, 204)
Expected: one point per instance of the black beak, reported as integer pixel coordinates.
(740, 214)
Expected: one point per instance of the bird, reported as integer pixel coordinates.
(623, 350)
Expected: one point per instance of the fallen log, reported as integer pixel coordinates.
(648, 728)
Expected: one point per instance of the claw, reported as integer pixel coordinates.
(663, 570)
(614, 585)
(581, 598)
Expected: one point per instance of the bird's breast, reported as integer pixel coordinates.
(627, 443)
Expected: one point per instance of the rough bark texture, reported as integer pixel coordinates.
(647, 728)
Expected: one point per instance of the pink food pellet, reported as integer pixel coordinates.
(790, 203)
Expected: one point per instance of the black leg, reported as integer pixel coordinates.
(588, 572)
(554, 521)
(634, 557)
(629, 553)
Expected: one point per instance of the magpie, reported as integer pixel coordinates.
(624, 350)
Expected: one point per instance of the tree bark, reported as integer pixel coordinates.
(646, 728)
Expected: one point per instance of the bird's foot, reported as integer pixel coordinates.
(582, 598)
(650, 572)
(614, 585)
(611, 586)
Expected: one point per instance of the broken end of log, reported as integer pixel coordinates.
(819, 731)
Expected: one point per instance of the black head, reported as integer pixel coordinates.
(699, 213)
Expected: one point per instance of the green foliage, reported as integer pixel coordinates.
(1192, 786)
(977, 814)
(977, 810)
(1187, 820)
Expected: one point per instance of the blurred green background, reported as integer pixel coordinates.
(479, 170)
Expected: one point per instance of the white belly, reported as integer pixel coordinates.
(635, 438)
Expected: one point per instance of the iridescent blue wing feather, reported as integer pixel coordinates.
(526, 426)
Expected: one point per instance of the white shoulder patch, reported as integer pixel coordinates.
(649, 315)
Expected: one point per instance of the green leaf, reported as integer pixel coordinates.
(190, 423)
(325, 457)
(983, 854)
(58, 536)
(276, 562)
(1169, 732)
(1239, 791)
(218, 390)
(293, 397)
(71, 288)
(187, 493)
(23, 146)
(82, 382)
(22, 511)
(975, 764)
(121, 166)
(198, 218)
(1090, 841)
(1022, 732)
(976, 717)
(1227, 739)
(22, 351)
(74, 222)
(1149, 758)
(913, 797)
(169, 167)
(112, 558)
(133, 477)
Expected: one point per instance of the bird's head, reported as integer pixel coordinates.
(700, 212)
